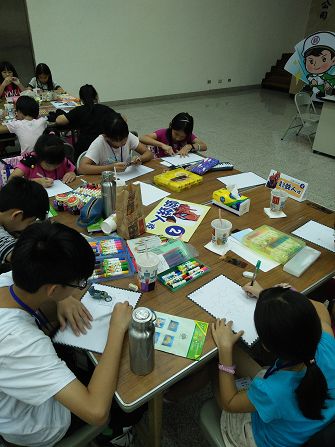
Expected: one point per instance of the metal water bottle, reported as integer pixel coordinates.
(108, 192)
(141, 341)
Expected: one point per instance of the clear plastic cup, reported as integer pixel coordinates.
(221, 229)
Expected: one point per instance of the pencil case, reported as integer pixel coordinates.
(113, 260)
(183, 274)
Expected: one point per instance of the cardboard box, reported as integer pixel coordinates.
(222, 197)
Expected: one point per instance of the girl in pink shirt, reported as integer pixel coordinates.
(47, 163)
(177, 139)
(10, 84)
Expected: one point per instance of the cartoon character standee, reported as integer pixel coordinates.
(319, 58)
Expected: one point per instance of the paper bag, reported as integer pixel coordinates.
(130, 219)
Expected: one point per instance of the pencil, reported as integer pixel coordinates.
(255, 272)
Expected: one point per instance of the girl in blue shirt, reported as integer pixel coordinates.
(295, 398)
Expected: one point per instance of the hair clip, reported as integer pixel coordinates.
(312, 361)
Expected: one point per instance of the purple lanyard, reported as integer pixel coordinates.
(40, 320)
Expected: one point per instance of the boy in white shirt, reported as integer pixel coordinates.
(28, 126)
(38, 391)
(114, 148)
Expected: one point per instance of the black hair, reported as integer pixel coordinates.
(88, 95)
(28, 106)
(5, 65)
(22, 194)
(50, 148)
(50, 253)
(316, 51)
(183, 121)
(289, 327)
(44, 69)
(115, 127)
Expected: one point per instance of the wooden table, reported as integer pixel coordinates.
(132, 391)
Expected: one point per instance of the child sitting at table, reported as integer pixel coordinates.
(177, 139)
(43, 80)
(21, 203)
(114, 148)
(88, 118)
(10, 84)
(38, 391)
(295, 397)
(47, 163)
(28, 126)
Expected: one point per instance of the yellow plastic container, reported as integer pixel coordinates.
(177, 179)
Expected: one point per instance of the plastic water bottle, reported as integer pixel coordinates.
(141, 341)
(108, 192)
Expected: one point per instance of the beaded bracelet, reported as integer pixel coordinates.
(227, 369)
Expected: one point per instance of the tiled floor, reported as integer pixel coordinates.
(245, 128)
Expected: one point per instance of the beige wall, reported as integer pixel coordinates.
(142, 48)
(317, 23)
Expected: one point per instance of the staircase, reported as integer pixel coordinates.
(278, 78)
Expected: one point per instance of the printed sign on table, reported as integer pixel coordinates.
(295, 188)
(175, 218)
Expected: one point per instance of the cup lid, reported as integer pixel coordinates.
(142, 315)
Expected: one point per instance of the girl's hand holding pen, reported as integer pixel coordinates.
(253, 290)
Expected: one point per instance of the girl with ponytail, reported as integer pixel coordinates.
(294, 398)
(87, 118)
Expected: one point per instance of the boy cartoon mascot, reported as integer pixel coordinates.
(319, 57)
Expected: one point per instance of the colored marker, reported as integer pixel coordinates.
(255, 272)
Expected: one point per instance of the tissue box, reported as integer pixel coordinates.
(222, 197)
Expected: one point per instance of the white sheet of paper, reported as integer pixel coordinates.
(133, 171)
(151, 193)
(95, 339)
(177, 160)
(243, 180)
(223, 298)
(243, 252)
(318, 234)
(165, 163)
(58, 187)
(274, 215)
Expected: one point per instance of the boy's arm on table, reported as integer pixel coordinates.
(92, 403)
(146, 154)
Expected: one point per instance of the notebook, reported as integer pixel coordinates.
(95, 339)
(243, 180)
(177, 160)
(223, 298)
(317, 233)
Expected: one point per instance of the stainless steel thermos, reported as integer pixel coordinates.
(108, 192)
(141, 341)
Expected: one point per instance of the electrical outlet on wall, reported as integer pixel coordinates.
(219, 81)
(209, 81)
(229, 79)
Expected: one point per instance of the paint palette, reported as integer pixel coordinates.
(113, 259)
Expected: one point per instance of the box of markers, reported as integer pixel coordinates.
(182, 274)
(112, 258)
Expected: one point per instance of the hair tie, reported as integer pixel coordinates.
(312, 362)
(52, 133)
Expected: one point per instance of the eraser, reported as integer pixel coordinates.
(248, 275)
(133, 287)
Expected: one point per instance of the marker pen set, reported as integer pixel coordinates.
(103, 246)
(113, 260)
(108, 268)
(183, 274)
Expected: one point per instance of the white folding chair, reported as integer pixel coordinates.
(306, 117)
(79, 158)
(210, 414)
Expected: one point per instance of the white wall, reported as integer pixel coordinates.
(141, 48)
